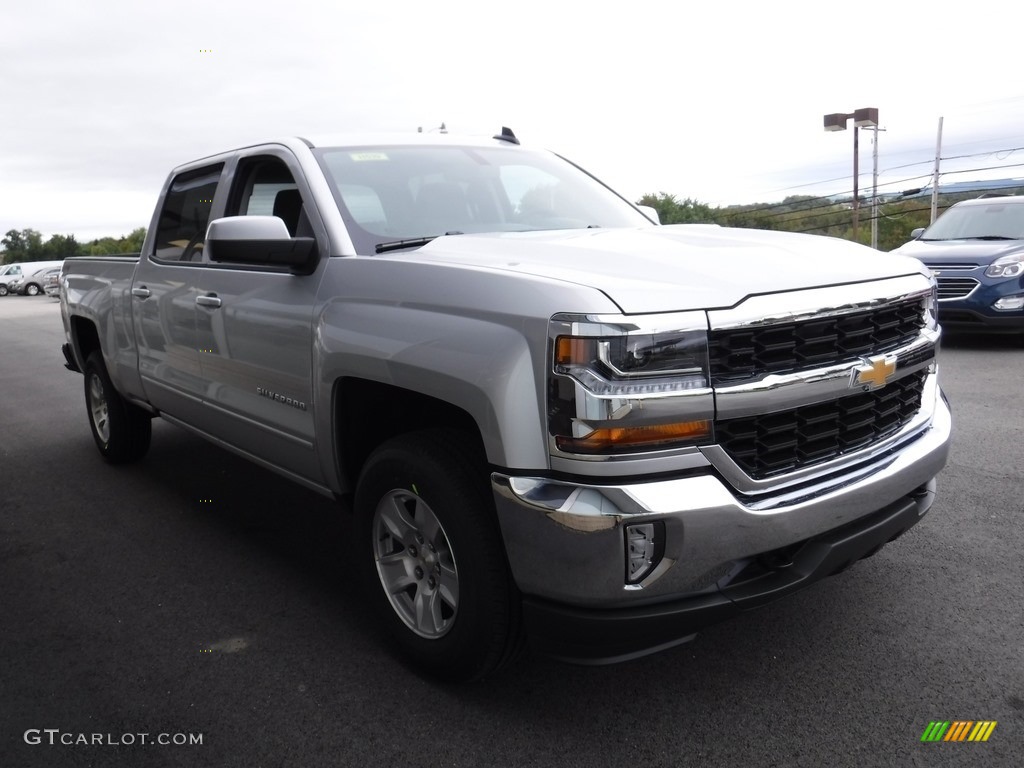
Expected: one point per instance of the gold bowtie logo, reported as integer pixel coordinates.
(876, 372)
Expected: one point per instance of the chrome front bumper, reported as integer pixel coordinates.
(566, 541)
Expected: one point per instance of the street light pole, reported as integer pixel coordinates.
(837, 122)
(856, 182)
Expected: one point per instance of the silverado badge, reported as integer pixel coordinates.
(874, 373)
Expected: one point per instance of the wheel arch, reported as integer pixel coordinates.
(368, 413)
(85, 339)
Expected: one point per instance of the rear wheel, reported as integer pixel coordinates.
(3, 289)
(434, 557)
(121, 430)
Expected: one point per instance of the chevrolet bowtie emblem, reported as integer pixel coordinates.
(875, 372)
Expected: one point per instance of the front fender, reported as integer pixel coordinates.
(484, 368)
(473, 337)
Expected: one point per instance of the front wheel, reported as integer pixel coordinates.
(32, 290)
(121, 430)
(434, 557)
(3, 289)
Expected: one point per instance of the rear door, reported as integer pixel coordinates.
(165, 290)
(254, 326)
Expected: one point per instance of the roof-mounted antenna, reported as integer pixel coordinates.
(506, 135)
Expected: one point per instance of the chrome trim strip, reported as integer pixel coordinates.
(938, 269)
(748, 486)
(781, 392)
(817, 303)
(568, 324)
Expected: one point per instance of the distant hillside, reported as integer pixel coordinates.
(897, 216)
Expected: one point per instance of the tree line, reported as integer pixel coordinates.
(797, 213)
(29, 245)
(897, 218)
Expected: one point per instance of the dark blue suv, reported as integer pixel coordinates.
(976, 250)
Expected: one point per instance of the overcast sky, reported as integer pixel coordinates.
(717, 101)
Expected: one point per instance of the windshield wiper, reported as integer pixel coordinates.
(413, 242)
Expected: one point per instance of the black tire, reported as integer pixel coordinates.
(31, 289)
(121, 430)
(3, 289)
(425, 516)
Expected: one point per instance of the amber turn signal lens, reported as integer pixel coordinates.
(603, 440)
(573, 349)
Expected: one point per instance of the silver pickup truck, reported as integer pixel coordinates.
(556, 420)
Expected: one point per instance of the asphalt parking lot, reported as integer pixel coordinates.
(195, 594)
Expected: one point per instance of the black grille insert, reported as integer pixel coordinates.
(745, 353)
(777, 443)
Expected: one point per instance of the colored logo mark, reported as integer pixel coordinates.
(958, 730)
(876, 372)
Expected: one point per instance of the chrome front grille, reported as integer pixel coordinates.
(773, 444)
(956, 287)
(752, 352)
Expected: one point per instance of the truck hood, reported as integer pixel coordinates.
(959, 251)
(676, 267)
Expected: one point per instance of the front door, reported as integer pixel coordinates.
(254, 330)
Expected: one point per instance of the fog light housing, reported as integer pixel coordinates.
(1009, 303)
(645, 547)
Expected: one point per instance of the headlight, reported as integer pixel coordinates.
(931, 306)
(623, 385)
(1006, 266)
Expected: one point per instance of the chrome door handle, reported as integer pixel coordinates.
(142, 292)
(208, 301)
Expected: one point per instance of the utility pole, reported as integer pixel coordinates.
(874, 188)
(935, 176)
(874, 192)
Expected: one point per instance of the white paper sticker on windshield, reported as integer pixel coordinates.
(361, 157)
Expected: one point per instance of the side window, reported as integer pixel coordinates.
(265, 186)
(186, 214)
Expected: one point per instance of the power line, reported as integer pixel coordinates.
(773, 207)
(1008, 150)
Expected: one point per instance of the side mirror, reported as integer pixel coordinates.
(258, 240)
(650, 212)
(916, 233)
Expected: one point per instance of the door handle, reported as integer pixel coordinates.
(208, 301)
(142, 292)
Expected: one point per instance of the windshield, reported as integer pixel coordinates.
(996, 220)
(393, 193)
